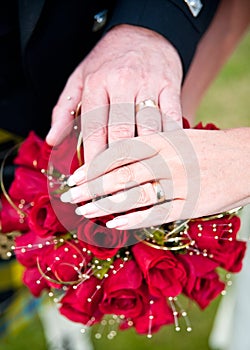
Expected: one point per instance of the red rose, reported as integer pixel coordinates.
(33, 280)
(203, 284)
(124, 291)
(64, 263)
(82, 304)
(64, 156)
(33, 152)
(208, 126)
(28, 247)
(218, 238)
(64, 213)
(161, 313)
(27, 184)
(197, 265)
(164, 274)
(103, 242)
(185, 123)
(231, 259)
(10, 219)
(42, 218)
(205, 289)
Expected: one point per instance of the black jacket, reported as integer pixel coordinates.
(42, 41)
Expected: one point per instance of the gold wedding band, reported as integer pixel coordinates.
(160, 195)
(146, 103)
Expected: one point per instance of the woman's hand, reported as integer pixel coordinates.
(196, 172)
(128, 66)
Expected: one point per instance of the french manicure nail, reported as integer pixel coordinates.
(80, 211)
(66, 197)
(50, 133)
(117, 222)
(71, 182)
(78, 176)
(87, 209)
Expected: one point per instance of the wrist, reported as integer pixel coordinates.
(224, 168)
(240, 142)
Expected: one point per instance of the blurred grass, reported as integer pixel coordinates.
(227, 105)
(168, 339)
(30, 337)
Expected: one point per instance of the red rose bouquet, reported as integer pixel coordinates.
(93, 271)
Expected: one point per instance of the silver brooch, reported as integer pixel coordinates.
(194, 6)
(99, 20)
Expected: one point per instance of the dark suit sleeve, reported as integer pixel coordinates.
(171, 18)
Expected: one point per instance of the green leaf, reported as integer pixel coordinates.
(61, 190)
(101, 267)
(63, 238)
(159, 236)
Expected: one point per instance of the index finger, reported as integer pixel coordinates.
(118, 154)
(64, 110)
(94, 119)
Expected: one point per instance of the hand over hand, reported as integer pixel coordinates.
(197, 173)
(128, 66)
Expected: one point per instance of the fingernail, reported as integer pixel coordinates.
(50, 137)
(117, 222)
(80, 211)
(71, 182)
(87, 209)
(79, 175)
(66, 197)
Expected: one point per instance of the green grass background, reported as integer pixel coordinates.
(227, 105)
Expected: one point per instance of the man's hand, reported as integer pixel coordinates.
(128, 66)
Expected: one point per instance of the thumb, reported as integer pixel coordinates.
(64, 111)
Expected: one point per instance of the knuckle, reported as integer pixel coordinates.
(168, 84)
(87, 104)
(173, 115)
(123, 131)
(172, 121)
(117, 99)
(120, 103)
(121, 111)
(93, 81)
(172, 110)
(90, 80)
(122, 75)
(150, 125)
(123, 175)
(145, 195)
(94, 130)
(161, 212)
(126, 71)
